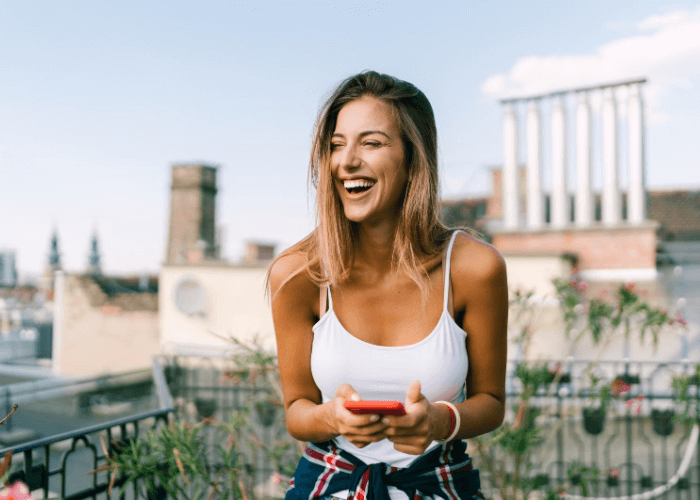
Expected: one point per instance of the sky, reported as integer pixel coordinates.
(99, 99)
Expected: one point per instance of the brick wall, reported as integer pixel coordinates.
(602, 248)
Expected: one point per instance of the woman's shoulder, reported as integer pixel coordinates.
(289, 277)
(475, 261)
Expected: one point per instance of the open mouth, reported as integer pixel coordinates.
(357, 186)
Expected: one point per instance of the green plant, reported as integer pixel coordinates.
(690, 408)
(578, 475)
(174, 460)
(624, 312)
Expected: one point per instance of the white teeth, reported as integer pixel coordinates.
(355, 183)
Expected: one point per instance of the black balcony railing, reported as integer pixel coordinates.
(59, 465)
(636, 446)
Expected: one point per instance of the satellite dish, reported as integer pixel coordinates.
(190, 296)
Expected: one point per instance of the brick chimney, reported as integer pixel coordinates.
(192, 235)
(259, 253)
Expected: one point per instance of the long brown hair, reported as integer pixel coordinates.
(329, 249)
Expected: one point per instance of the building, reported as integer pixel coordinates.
(203, 298)
(103, 324)
(8, 268)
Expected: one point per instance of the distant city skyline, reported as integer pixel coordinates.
(97, 101)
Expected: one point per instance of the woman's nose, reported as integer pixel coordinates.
(349, 157)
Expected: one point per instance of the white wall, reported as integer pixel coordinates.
(536, 272)
(235, 305)
(90, 339)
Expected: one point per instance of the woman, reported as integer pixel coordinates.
(376, 303)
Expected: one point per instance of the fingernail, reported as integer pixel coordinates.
(374, 418)
(355, 397)
(385, 420)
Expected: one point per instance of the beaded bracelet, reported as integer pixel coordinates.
(454, 423)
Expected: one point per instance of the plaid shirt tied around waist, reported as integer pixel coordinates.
(445, 472)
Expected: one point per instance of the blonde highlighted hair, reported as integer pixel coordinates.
(329, 250)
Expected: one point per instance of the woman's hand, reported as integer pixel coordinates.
(360, 430)
(413, 432)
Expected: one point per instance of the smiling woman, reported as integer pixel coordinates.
(378, 265)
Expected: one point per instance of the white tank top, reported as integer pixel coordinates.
(439, 361)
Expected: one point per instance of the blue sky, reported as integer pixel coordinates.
(98, 100)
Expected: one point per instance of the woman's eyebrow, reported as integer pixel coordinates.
(365, 133)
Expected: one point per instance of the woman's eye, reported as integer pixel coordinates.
(373, 143)
(334, 146)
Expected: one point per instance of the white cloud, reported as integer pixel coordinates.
(666, 51)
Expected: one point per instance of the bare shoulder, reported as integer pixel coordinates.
(475, 264)
(290, 282)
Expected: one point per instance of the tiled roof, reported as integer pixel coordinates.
(469, 213)
(678, 212)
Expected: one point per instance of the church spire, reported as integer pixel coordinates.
(54, 253)
(94, 267)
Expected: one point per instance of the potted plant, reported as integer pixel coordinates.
(205, 407)
(266, 410)
(594, 416)
(662, 421)
(613, 478)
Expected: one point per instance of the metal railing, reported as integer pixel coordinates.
(65, 459)
(635, 451)
(636, 445)
(199, 385)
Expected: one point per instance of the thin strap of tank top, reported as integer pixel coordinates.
(330, 299)
(447, 270)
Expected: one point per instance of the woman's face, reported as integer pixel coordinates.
(367, 161)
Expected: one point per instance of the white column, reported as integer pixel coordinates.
(611, 191)
(584, 198)
(636, 196)
(511, 176)
(535, 200)
(560, 197)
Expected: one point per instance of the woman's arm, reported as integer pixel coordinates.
(481, 288)
(294, 312)
(293, 317)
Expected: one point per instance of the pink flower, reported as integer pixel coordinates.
(582, 287)
(680, 319)
(18, 491)
(629, 403)
(619, 387)
(276, 478)
(614, 473)
(640, 397)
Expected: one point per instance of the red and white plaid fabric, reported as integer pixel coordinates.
(444, 472)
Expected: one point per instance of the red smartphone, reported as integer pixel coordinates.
(380, 407)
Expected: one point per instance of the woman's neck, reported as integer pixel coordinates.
(374, 247)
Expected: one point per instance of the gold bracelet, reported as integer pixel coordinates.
(457, 421)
